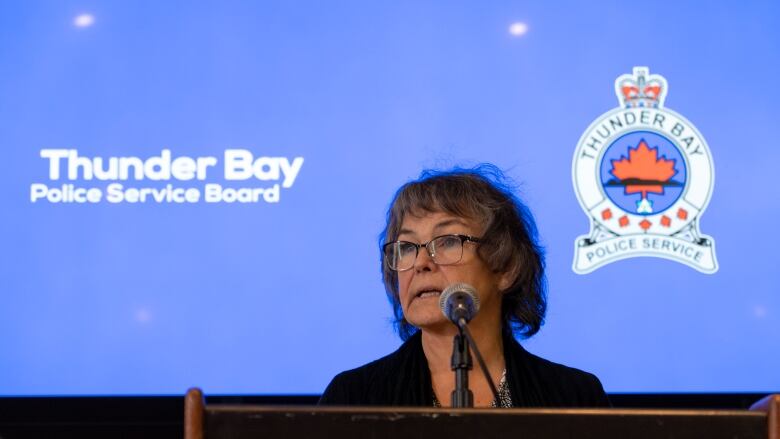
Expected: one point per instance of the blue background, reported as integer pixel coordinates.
(152, 299)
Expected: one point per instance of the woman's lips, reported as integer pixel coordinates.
(424, 294)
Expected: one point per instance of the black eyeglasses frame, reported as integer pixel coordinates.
(431, 254)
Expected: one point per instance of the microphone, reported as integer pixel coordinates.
(459, 301)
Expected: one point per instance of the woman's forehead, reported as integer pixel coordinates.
(418, 210)
(422, 222)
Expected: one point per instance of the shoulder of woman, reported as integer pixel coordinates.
(577, 386)
(357, 385)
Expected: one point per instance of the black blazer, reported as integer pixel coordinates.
(403, 379)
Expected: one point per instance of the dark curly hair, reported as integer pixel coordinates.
(509, 239)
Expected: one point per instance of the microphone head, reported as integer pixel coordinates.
(458, 301)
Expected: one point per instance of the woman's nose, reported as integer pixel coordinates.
(424, 261)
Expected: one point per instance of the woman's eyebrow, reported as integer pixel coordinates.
(449, 222)
(440, 225)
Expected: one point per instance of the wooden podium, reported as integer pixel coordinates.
(203, 421)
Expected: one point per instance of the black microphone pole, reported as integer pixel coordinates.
(462, 396)
(459, 302)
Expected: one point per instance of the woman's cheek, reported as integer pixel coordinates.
(404, 281)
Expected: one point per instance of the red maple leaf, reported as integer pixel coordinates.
(643, 171)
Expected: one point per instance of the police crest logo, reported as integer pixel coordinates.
(644, 175)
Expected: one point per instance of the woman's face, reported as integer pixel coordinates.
(419, 287)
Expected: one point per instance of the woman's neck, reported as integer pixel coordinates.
(437, 346)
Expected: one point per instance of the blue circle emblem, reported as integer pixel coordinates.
(643, 173)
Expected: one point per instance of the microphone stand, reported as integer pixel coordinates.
(459, 314)
(461, 364)
(462, 396)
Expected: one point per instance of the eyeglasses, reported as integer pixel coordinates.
(444, 250)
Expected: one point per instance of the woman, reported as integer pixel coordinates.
(463, 225)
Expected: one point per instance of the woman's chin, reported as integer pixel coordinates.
(432, 323)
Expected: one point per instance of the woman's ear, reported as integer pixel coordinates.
(505, 280)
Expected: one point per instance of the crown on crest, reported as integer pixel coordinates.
(641, 89)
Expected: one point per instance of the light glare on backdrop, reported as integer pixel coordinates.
(84, 20)
(518, 29)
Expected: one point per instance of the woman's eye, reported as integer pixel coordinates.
(405, 249)
(448, 242)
